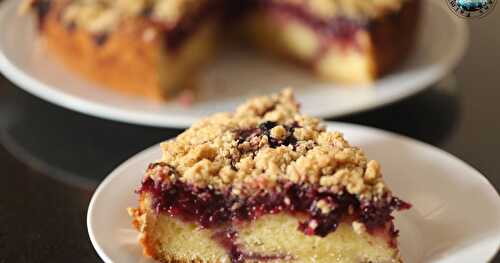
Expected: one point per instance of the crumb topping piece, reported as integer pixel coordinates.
(264, 145)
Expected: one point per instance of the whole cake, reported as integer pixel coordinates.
(265, 184)
(155, 48)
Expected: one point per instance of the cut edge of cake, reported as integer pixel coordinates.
(135, 56)
(361, 54)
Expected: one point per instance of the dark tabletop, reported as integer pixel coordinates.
(53, 159)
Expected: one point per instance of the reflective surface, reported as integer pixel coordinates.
(53, 159)
(72, 147)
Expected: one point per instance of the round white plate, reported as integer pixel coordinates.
(232, 78)
(455, 215)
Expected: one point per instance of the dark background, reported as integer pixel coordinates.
(52, 159)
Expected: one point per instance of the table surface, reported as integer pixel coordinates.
(53, 158)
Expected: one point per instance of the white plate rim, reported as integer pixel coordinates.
(111, 112)
(337, 125)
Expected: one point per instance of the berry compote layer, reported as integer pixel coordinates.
(341, 28)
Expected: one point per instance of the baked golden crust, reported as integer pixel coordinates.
(109, 63)
(132, 58)
(267, 142)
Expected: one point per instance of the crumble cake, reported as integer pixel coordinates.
(265, 184)
(155, 48)
(347, 41)
(141, 47)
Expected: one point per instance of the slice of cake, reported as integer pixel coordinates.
(140, 47)
(265, 184)
(347, 41)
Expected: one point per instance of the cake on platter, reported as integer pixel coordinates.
(157, 48)
(265, 184)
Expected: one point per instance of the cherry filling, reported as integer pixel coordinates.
(219, 210)
(340, 28)
(42, 8)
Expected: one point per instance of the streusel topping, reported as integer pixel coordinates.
(265, 144)
(99, 16)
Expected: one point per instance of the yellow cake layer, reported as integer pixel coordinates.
(171, 240)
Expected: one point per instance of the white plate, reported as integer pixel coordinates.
(232, 78)
(455, 215)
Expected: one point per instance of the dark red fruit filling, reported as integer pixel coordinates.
(210, 208)
(338, 28)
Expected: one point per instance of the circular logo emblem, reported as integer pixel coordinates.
(471, 8)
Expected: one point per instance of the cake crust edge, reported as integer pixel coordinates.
(106, 58)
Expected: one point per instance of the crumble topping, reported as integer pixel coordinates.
(265, 144)
(100, 16)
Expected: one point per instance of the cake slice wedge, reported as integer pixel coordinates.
(349, 42)
(265, 184)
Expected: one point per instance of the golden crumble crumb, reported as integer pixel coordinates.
(324, 206)
(278, 132)
(358, 227)
(249, 151)
(372, 170)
